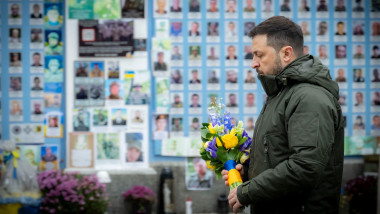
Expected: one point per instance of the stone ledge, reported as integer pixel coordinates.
(138, 171)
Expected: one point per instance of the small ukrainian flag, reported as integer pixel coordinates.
(129, 74)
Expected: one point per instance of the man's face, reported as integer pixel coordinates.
(231, 26)
(36, 8)
(176, 99)
(194, 52)
(48, 151)
(340, 73)
(37, 107)
(231, 51)
(161, 4)
(53, 15)
(249, 3)
(267, 5)
(304, 26)
(358, 73)
(133, 154)
(375, 51)
(340, 28)
(161, 57)
(265, 59)
(359, 97)
(212, 4)
(195, 100)
(232, 99)
(36, 59)
(306, 49)
(322, 28)
(358, 49)
(175, 3)
(161, 124)
(231, 5)
(37, 82)
(137, 88)
(119, 114)
(250, 123)
(176, 50)
(115, 89)
(250, 99)
(322, 50)
(177, 122)
(195, 75)
(341, 51)
(376, 74)
(231, 76)
(200, 168)
(137, 114)
(194, 27)
(376, 121)
(15, 33)
(15, 9)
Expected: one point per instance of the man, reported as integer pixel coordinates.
(376, 122)
(100, 119)
(176, 29)
(194, 127)
(249, 7)
(177, 102)
(194, 6)
(15, 59)
(250, 78)
(340, 51)
(202, 177)
(212, 29)
(341, 77)
(36, 35)
(212, 55)
(195, 101)
(340, 7)
(231, 77)
(176, 124)
(176, 55)
(213, 6)
(194, 79)
(96, 71)
(194, 30)
(53, 17)
(358, 75)
(322, 52)
(161, 4)
(322, 7)
(285, 7)
(376, 77)
(359, 99)
(194, 54)
(82, 93)
(36, 60)
(376, 54)
(267, 6)
(304, 7)
(175, 8)
(231, 53)
(358, 54)
(296, 159)
(250, 100)
(37, 109)
(134, 153)
(114, 91)
(306, 49)
(36, 86)
(340, 29)
(137, 97)
(231, 31)
(160, 65)
(305, 30)
(137, 118)
(15, 35)
(15, 11)
(376, 98)
(36, 12)
(119, 119)
(358, 7)
(213, 78)
(49, 156)
(231, 4)
(232, 101)
(322, 28)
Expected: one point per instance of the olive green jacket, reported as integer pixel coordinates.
(296, 161)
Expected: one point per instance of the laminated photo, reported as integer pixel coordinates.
(198, 176)
(36, 13)
(49, 158)
(81, 120)
(81, 150)
(53, 124)
(31, 154)
(133, 8)
(137, 86)
(107, 146)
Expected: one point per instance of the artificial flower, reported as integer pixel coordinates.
(230, 140)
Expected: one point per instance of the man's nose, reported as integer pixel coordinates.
(255, 64)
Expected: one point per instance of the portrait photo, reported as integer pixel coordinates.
(53, 69)
(49, 158)
(37, 59)
(213, 76)
(107, 146)
(53, 14)
(119, 116)
(100, 117)
(195, 100)
(198, 176)
(134, 151)
(81, 120)
(160, 126)
(114, 89)
(176, 124)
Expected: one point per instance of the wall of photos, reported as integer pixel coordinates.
(32, 79)
(206, 53)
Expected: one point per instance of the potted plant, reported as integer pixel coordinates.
(140, 198)
(72, 193)
(362, 194)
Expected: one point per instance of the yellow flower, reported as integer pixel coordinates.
(244, 158)
(211, 129)
(205, 145)
(218, 142)
(230, 140)
(209, 165)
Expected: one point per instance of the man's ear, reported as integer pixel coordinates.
(287, 54)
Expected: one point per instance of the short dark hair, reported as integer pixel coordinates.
(280, 32)
(375, 47)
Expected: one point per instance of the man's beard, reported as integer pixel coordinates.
(277, 68)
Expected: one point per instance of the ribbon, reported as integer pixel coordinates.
(234, 178)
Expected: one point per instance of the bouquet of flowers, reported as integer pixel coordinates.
(141, 196)
(72, 193)
(224, 144)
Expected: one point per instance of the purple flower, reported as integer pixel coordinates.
(212, 148)
(247, 143)
(227, 121)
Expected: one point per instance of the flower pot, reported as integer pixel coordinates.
(138, 208)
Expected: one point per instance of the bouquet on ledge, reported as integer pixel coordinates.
(224, 144)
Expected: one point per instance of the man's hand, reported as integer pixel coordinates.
(238, 167)
(234, 201)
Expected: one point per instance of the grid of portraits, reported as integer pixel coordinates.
(32, 77)
(210, 56)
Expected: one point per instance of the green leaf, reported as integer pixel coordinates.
(204, 133)
(242, 140)
(205, 124)
(232, 154)
(219, 167)
(204, 140)
(209, 135)
(205, 156)
(218, 175)
(222, 154)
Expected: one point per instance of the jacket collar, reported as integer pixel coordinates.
(273, 84)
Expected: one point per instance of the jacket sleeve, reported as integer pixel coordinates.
(310, 117)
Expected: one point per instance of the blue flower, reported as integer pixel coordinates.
(227, 120)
